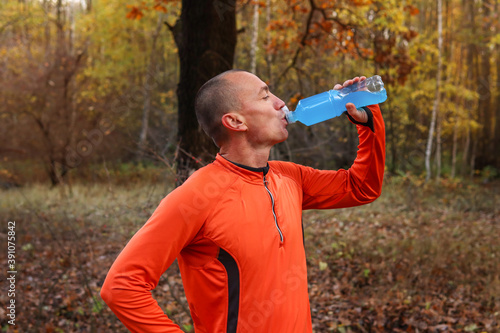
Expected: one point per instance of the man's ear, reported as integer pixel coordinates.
(234, 122)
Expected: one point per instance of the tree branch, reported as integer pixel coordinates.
(5, 25)
(302, 43)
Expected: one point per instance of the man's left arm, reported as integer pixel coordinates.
(362, 182)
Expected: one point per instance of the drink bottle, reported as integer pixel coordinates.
(330, 104)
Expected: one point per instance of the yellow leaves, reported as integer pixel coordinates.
(420, 93)
(496, 39)
(167, 96)
(323, 265)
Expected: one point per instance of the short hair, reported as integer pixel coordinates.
(215, 98)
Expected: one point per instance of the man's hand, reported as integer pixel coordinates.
(358, 115)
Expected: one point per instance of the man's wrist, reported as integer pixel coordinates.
(368, 124)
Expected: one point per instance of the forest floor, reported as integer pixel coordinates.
(422, 258)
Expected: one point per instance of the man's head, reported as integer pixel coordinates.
(215, 98)
(237, 102)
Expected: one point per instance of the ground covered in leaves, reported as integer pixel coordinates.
(422, 258)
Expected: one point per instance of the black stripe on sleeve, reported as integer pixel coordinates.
(233, 280)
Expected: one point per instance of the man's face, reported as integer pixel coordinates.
(261, 110)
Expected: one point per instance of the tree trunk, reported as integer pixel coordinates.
(486, 151)
(497, 103)
(394, 153)
(269, 57)
(438, 145)
(454, 149)
(149, 86)
(466, 149)
(255, 37)
(206, 38)
(468, 9)
(473, 156)
(428, 150)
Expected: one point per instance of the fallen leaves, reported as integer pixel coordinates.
(426, 268)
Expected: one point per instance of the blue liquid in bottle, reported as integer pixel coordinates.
(330, 104)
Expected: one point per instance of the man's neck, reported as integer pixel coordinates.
(249, 157)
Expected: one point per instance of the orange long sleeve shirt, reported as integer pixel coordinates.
(237, 234)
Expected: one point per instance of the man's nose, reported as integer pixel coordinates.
(278, 103)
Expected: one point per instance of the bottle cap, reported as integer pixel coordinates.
(374, 83)
(287, 113)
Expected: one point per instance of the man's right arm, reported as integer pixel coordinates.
(138, 268)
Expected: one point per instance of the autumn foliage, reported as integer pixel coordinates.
(89, 144)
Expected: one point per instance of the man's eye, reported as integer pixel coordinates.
(266, 97)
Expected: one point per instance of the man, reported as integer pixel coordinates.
(235, 225)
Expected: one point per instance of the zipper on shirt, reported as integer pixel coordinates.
(274, 212)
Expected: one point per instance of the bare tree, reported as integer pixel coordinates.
(149, 85)
(497, 103)
(428, 150)
(269, 57)
(486, 150)
(255, 37)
